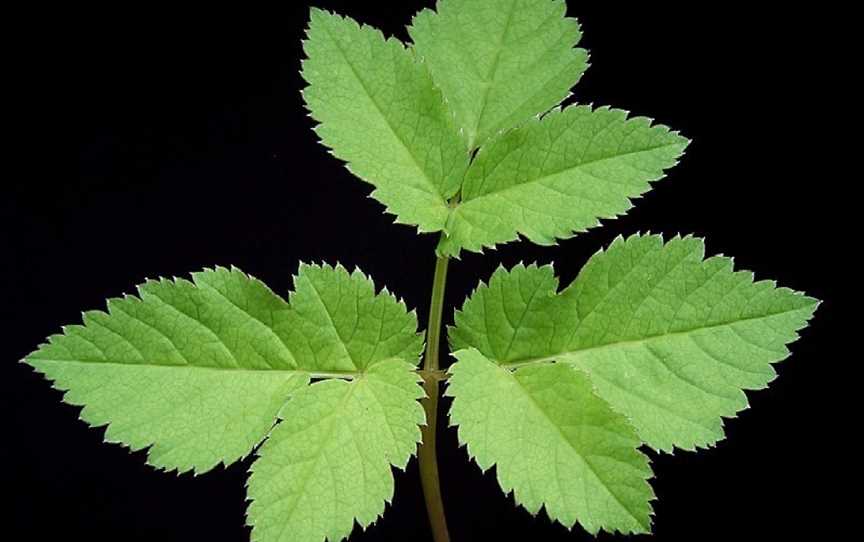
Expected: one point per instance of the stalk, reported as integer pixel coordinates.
(431, 376)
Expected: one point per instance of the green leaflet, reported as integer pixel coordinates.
(379, 111)
(199, 370)
(328, 462)
(554, 441)
(668, 338)
(339, 324)
(499, 62)
(558, 175)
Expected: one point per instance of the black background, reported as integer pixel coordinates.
(158, 142)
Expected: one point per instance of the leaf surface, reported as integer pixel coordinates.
(329, 460)
(558, 175)
(668, 338)
(338, 323)
(499, 62)
(554, 441)
(380, 112)
(198, 370)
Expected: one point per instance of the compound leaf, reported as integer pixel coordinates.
(380, 112)
(554, 441)
(329, 460)
(558, 175)
(198, 370)
(668, 338)
(498, 62)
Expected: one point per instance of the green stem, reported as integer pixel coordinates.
(431, 376)
(433, 332)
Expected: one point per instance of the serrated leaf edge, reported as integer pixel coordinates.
(660, 236)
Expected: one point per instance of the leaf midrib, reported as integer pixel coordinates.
(342, 342)
(559, 171)
(338, 411)
(349, 375)
(490, 76)
(515, 364)
(573, 447)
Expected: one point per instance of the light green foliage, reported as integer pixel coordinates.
(558, 175)
(669, 339)
(498, 65)
(328, 462)
(379, 111)
(459, 133)
(499, 62)
(338, 324)
(554, 441)
(199, 370)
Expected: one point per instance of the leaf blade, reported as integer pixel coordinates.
(198, 370)
(140, 424)
(669, 338)
(499, 63)
(554, 441)
(339, 323)
(379, 111)
(559, 175)
(305, 484)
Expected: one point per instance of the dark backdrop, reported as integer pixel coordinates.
(159, 142)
